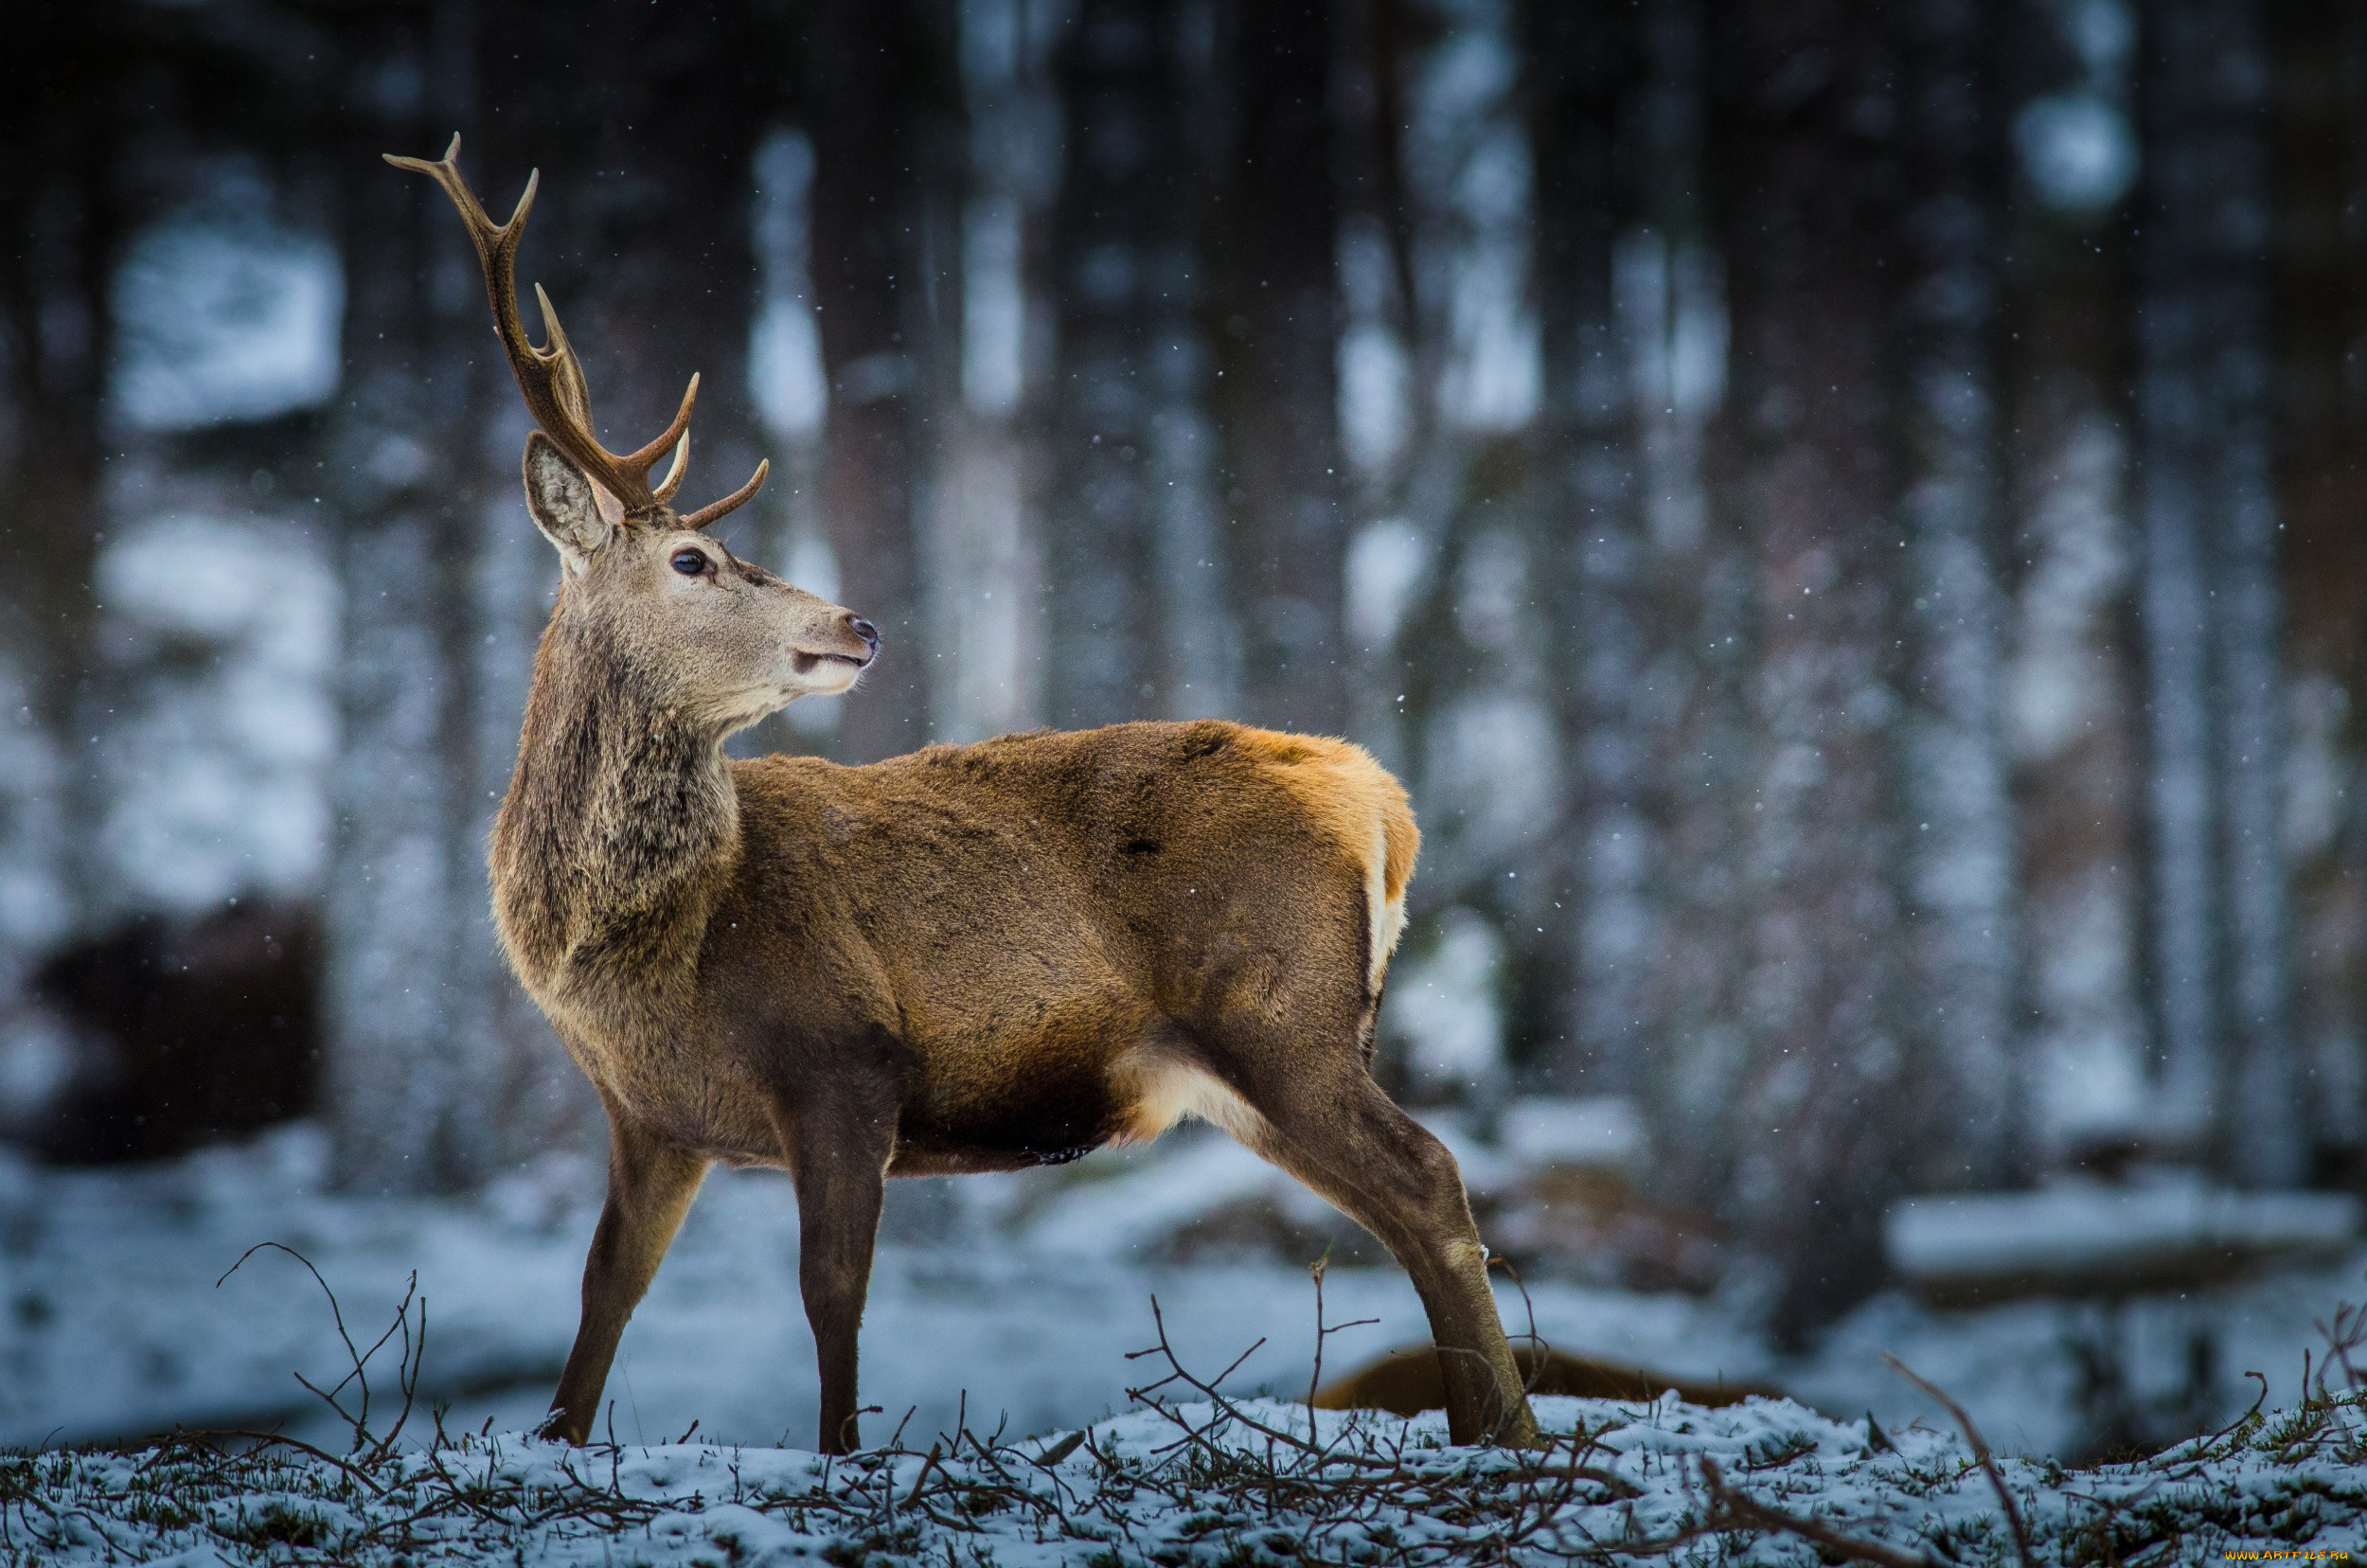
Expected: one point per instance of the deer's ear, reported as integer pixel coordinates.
(566, 506)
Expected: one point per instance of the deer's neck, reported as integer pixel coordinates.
(619, 831)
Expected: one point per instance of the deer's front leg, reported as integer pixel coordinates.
(650, 1184)
(839, 1158)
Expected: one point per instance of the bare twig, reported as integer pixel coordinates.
(1980, 1452)
(197, 1440)
(921, 1483)
(1177, 1373)
(370, 1450)
(407, 1370)
(1058, 1450)
(1315, 1378)
(1539, 1349)
(337, 1315)
(2348, 1334)
(2202, 1445)
(1737, 1508)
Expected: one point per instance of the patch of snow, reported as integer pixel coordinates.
(1600, 1130)
(994, 307)
(812, 564)
(2078, 150)
(1374, 371)
(1122, 1216)
(1387, 561)
(221, 636)
(223, 320)
(785, 371)
(1023, 1309)
(1466, 159)
(2090, 1228)
(114, 1324)
(1444, 1002)
(1219, 1480)
(36, 898)
(38, 1057)
(1492, 768)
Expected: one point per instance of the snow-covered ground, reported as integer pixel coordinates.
(1016, 1299)
(1223, 1483)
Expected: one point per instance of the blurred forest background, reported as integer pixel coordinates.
(1846, 515)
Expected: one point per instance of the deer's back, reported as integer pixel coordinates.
(1011, 930)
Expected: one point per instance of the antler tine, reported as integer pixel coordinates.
(673, 434)
(731, 503)
(672, 481)
(488, 234)
(567, 382)
(576, 396)
(551, 378)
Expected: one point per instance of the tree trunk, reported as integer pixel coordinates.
(2070, 687)
(61, 233)
(885, 264)
(405, 1072)
(2321, 145)
(986, 591)
(1274, 221)
(1379, 410)
(2213, 615)
(1804, 89)
(1133, 560)
(1959, 873)
(1481, 678)
(1583, 65)
(1476, 678)
(1700, 595)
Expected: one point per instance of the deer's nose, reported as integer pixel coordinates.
(868, 633)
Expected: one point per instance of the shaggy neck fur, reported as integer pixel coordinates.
(620, 829)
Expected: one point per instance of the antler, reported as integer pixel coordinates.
(551, 379)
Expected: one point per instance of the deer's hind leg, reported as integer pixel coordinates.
(650, 1184)
(1322, 1118)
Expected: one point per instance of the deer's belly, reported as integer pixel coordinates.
(1010, 1104)
(1030, 1092)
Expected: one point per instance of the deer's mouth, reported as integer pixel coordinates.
(806, 663)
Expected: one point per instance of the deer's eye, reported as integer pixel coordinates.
(689, 562)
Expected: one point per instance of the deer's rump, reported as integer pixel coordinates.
(1048, 941)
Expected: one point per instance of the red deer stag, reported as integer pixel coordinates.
(972, 958)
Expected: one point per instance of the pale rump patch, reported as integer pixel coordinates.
(1364, 809)
(1387, 913)
(1160, 1088)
